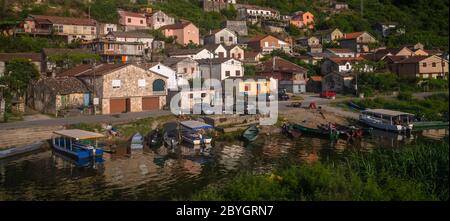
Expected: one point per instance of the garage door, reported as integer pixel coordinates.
(117, 106)
(150, 103)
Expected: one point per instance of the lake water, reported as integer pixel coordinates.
(164, 174)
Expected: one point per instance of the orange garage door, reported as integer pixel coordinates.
(117, 106)
(150, 103)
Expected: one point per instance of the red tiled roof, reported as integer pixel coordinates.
(340, 50)
(176, 26)
(353, 35)
(339, 60)
(282, 65)
(86, 70)
(316, 78)
(11, 56)
(64, 20)
(413, 59)
(131, 14)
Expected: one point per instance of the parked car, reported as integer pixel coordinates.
(328, 94)
(282, 95)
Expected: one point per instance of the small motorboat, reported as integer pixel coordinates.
(195, 138)
(171, 134)
(251, 133)
(155, 138)
(137, 141)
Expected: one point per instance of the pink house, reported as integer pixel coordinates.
(303, 20)
(132, 20)
(184, 32)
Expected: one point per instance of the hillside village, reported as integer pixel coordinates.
(138, 63)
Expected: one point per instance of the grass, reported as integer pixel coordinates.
(143, 126)
(434, 107)
(417, 172)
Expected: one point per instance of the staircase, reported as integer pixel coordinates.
(23, 136)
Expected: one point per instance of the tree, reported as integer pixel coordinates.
(18, 74)
(68, 61)
(105, 11)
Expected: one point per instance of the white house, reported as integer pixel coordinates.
(342, 65)
(223, 36)
(132, 36)
(341, 52)
(196, 53)
(219, 51)
(220, 68)
(105, 28)
(161, 69)
(236, 52)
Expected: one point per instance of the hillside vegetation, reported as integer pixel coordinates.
(425, 21)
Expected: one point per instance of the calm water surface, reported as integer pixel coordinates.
(164, 174)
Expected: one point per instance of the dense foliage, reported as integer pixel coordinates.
(419, 172)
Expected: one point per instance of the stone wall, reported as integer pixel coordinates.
(240, 27)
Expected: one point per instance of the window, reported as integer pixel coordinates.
(203, 95)
(239, 56)
(142, 22)
(116, 84)
(424, 64)
(192, 70)
(159, 85)
(247, 87)
(227, 73)
(232, 55)
(162, 19)
(238, 73)
(141, 83)
(433, 64)
(230, 39)
(157, 19)
(185, 70)
(347, 66)
(222, 39)
(159, 67)
(129, 20)
(110, 47)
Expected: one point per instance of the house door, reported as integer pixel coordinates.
(150, 103)
(302, 88)
(87, 99)
(117, 106)
(221, 55)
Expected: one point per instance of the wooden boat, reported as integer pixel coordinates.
(290, 131)
(355, 106)
(193, 132)
(251, 133)
(154, 139)
(331, 134)
(430, 124)
(78, 144)
(137, 141)
(389, 120)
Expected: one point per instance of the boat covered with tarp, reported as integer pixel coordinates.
(193, 132)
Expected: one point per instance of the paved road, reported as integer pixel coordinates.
(119, 118)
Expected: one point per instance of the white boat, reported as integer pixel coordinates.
(137, 141)
(387, 119)
(192, 132)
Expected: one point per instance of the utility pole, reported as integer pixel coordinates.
(362, 8)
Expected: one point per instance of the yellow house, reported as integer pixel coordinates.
(254, 86)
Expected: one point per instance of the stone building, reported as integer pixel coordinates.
(51, 95)
(123, 87)
(217, 5)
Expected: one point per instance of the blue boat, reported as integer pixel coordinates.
(78, 144)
